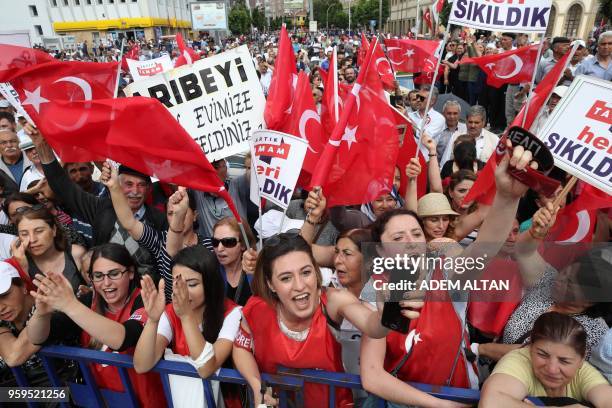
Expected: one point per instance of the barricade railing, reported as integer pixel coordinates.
(287, 381)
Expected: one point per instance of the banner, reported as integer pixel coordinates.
(523, 16)
(208, 15)
(277, 161)
(218, 100)
(11, 95)
(578, 132)
(143, 69)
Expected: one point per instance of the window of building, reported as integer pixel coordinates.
(89, 2)
(65, 2)
(123, 1)
(38, 29)
(99, 1)
(111, 1)
(77, 2)
(53, 3)
(33, 11)
(572, 21)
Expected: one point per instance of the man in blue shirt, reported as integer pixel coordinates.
(600, 65)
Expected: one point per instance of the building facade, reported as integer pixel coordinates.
(96, 20)
(568, 18)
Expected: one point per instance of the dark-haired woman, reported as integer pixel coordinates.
(420, 355)
(552, 366)
(200, 323)
(41, 247)
(110, 320)
(181, 215)
(291, 320)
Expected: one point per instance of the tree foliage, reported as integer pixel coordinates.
(605, 9)
(338, 18)
(258, 18)
(239, 19)
(366, 10)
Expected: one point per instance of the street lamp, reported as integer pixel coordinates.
(327, 16)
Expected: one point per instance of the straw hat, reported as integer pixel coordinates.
(434, 204)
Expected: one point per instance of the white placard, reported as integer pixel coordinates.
(277, 161)
(11, 95)
(579, 132)
(522, 16)
(208, 15)
(144, 69)
(218, 100)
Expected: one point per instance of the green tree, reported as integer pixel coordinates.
(332, 9)
(367, 10)
(239, 19)
(605, 9)
(445, 13)
(258, 18)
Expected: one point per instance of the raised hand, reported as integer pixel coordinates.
(109, 176)
(315, 204)
(179, 201)
(153, 298)
(413, 169)
(55, 291)
(180, 298)
(249, 260)
(518, 159)
(19, 246)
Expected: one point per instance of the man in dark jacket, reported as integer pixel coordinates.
(99, 211)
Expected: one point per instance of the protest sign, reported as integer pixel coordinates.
(522, 16)
(578, 133)
(143, 69)
(277, 161)
(218, 100)
(11, 95)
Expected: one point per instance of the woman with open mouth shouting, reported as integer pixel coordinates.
(110, 320)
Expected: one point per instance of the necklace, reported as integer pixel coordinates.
(294, 335)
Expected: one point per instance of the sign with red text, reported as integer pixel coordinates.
(277, 160)
(517, 16)
(218, 100)
(579, 132)
(143, 69)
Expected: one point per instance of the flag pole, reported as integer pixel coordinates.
(254, 174)
(442, 47)
(119, 69)
(570, 184)
(282, 220)
(533, 77)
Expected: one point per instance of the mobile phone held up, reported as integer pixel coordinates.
(393, 319)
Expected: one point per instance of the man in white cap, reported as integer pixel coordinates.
(558, 93)
(328, 54)
(34, 171)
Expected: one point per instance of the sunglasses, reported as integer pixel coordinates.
(227, 242)
(114, 274)
(26, 209)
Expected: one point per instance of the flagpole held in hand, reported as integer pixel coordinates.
(533, 77)
(561, 197)
(254, 174)
(119, 68)
(441, 49)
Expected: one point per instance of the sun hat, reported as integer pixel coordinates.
(434, 204)
(7, 273)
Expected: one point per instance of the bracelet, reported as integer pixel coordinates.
(534, 235)
(433, 155)
(207, 353)
(311, 222)
(176, 232)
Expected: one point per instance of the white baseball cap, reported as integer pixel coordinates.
(560, 90)
(7, 273)
(270, 223)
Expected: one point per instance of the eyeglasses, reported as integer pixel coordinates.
(420, 98)
(26, 209)
(114, 274)
(227, 242)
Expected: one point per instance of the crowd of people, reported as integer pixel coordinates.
(103, 257)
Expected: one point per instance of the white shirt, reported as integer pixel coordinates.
(265, 81)
(485, 146)
(434, 125)
(31, 174)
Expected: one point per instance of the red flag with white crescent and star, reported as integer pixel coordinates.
(509, 67)
(412, 55)
(305, 122)
(382, 64)
(188, 55)
(358, 162)
(14, 58)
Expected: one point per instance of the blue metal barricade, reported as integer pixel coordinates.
(287, 381)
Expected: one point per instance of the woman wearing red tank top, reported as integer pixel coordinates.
(432, 351)
(290, 319)
(111, 321)
(200, 323)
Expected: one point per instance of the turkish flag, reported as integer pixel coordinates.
(407, 150)
(363, 50)
(334, 97)
(188, 55)
(133, 54)
(305, 122)
(382, 64)
(284, 81)
(14, 58)
(509, 67)
(358, 162)
(484, 189)
(437, 9)
(427, 19)
(412, 55)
